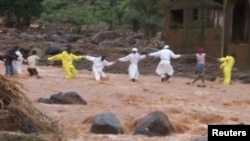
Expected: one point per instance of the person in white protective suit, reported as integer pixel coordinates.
(133, 59)
(17, 64)
(164, 68)
(98, 65)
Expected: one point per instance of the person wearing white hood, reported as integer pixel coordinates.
(98, 65)
(134, 59)
(17, 64)
(164, 68)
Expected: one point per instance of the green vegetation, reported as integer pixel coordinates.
(137, 15)
(123, 14)
(20, 11)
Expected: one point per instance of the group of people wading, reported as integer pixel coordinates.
(13, 63)
(164, 68)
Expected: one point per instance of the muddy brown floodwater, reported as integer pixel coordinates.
(189, 108)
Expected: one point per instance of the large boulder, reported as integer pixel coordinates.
(83, 41)
(53, 50)
(139, 42)
(107, 43)
(148, 50)
(243, 78)
(27, 36)
(53, 38)
(101, 36)
(69, 38)
(106, 123)
(113, 43)
(154, 124)
(130, 40)
(64, 98)
(44, 100)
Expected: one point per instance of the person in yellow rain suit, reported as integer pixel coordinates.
(226, 66)
(67, 58)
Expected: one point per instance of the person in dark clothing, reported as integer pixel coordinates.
(9, 57)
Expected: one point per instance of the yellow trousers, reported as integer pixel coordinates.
(227, 65)
(227, 72)
(70, 72)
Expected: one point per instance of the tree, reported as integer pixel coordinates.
(163, 5)
(19, 13)
(109, 11)
(145, 13)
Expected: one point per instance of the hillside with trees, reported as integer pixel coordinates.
(131, 15)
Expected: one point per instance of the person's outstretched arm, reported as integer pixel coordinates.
(175, 56)
(142, 57)
(222, 59)
(55, 57)
(77, 57)
(211, 57)
(155, 54)
(90, 58)
(124, 59)
(107, 63)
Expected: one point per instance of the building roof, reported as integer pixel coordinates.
(182, 4)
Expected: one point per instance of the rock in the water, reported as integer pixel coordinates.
(154, 124)
(44, 100)
(67, 98)
(106, 123)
